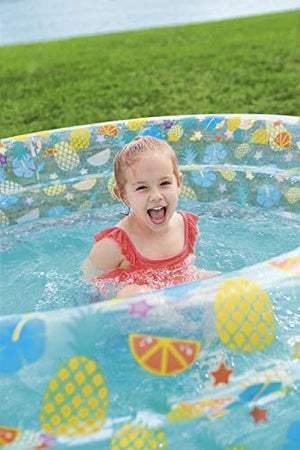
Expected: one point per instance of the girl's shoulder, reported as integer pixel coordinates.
(191, 228)
(117, 241)
(106, 253)
(190, 219)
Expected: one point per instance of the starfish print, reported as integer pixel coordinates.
(140, 308)
(169, 124)
(288, 157)
(229, 134)
(3, 159)
(69, 196)
(197, 136)
(249, 175)
(259, 415)
(45, 442)
(279, 178)
(222, 374)
(246, 124)
(222, 187)
(258, 155)
(29, 201)
(100, 139)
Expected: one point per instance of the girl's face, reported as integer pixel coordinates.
(152, 189)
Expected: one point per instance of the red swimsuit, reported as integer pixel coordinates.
(156, 273)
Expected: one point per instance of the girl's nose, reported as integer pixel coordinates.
(155, 195)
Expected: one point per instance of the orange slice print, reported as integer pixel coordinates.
(290, 265)
(7, 435)
(283, 139)
(109, 129)
(161, 355)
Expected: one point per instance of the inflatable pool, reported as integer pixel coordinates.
(213, 364)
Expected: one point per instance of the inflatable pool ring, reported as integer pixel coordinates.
(212, 364)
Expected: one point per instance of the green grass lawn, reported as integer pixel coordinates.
(247, 65)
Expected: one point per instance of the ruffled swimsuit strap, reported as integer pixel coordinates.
(122, 239)
(191, 224)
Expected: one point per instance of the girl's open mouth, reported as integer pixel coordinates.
(157, 214)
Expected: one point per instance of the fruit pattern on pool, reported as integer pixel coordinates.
(245, 159)
(161, 374)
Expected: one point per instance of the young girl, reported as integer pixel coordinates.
(151, 247)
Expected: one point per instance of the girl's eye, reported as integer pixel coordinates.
(165, 183)
(140, 188)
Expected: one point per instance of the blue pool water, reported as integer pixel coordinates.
(41, 260)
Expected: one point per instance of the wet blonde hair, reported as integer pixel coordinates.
(132, 151)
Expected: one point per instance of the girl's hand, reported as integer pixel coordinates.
(202, 274)
(132, 289)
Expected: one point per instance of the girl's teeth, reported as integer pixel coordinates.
(157, 214)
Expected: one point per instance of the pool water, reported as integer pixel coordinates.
(40, 261)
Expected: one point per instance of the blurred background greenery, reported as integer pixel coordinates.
(248, 65)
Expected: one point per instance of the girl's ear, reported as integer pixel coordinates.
(119, 194)
(180, 180)
(116, 191)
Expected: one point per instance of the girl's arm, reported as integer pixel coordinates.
(105, 256)
(89, 271)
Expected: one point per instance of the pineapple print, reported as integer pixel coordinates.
(293, 195)
(260, 136)
(80, 138)
(244, 316)
(75, 401)
(54, 190)
(228, 175)
(188, 192)
(183, 412)
(175, 133)
(9, 187)
(134, 436)
(85, 205)
(65, 156)
(241, 151)
(136, 124)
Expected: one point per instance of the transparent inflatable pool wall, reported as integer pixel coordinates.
(212, 364)
(250, 160)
